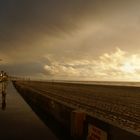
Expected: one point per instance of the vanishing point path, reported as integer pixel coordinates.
(18, 121)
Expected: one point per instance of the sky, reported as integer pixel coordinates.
(71, 39)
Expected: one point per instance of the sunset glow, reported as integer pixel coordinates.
(82, 40)
(128, 68)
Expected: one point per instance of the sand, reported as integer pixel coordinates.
(117, 105)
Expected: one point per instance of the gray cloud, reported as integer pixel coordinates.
(22, 21)
(67, 30)
(31, 69)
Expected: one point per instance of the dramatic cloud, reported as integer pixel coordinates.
(118, 64)
(56, 33)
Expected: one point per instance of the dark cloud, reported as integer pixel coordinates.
(23, 21)
(68, 30)
(24, 69)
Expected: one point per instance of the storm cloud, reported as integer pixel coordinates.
(41, 32)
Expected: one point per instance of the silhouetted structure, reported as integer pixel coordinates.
(3, 107)
(3, 79)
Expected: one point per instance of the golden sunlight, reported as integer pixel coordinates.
(128, 68)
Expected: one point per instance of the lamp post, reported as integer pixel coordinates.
(0, 73)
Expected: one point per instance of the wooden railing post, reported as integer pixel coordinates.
(77, 124)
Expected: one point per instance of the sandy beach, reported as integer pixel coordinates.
(117, 105)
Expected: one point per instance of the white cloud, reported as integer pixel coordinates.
(118, 65)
